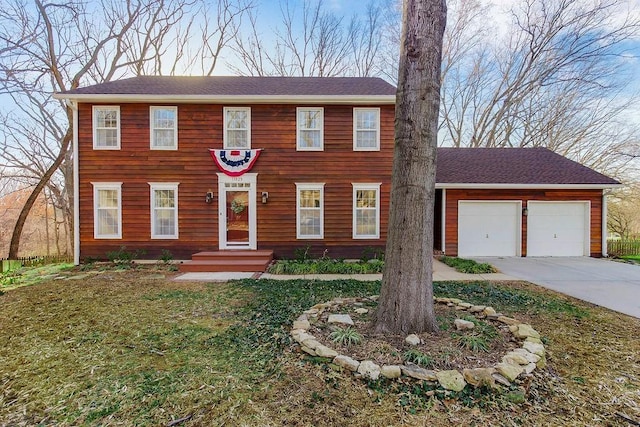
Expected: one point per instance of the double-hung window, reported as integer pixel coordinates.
(237, 127)
(107, 210)
(164, 210)
(164, 128)
(366, 211)
(310, 123)
(310, 211)
(106, 127)
(366, 129)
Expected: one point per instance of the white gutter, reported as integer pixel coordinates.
(231, 99)
(484, 186)
(605, 249)
(443, 221)
(76, 186)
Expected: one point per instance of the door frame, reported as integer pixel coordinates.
(248, 178)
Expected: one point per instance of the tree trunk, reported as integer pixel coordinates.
(406, 298)
(24, 213)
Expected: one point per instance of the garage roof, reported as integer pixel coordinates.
(524, 167)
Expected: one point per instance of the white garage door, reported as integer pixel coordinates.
(558, 229)
(488, 228)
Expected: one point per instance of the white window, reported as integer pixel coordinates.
(366, 211)
(164, 128)
(366, 129)
(310, 122)
(310, 211)
(106, 127)
(107, 210)
(237, 127)
(164, 210)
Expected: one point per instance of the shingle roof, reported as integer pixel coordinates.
(240, 86)
(526, 166)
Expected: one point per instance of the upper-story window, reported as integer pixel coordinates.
(106, 127)
(366, 129)
(310, 123)
(164, 128)
(237, 127)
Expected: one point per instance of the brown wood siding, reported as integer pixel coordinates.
(280, 166)
(592, 196)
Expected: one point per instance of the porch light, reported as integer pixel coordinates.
(208, 198)
(265, 197)
(525, 211)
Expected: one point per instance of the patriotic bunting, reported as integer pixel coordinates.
(234, 162)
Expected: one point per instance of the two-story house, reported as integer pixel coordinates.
(191, 164)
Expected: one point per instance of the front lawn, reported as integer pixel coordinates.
(134, 348)
(635, 258)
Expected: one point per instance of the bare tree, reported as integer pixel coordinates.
(555, 79)
(406, 297)
(310, 41)
(53, 47)
(622, 218)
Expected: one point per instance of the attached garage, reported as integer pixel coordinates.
(489, 228)
(558, 228)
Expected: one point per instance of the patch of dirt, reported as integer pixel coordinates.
(444, 350)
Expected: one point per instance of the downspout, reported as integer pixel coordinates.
(443, 221)
(605, 251)
(76, 186)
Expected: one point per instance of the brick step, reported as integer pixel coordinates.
(226, 265)
(233, 255)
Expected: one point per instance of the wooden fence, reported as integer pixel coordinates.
(623, 247)
(33, 261)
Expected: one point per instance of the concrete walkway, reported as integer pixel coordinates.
(607, 283)
(441, 272)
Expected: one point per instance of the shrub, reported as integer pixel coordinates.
(346, 337)
(419, 358)
(467, 265)
(122, 257)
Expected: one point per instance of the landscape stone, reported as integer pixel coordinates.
(501, 379)
(489, 311)
(324, 351)
(362, 310)
(479, 377)
(534, 348)
(508, 320)
(451, 380)
(531, 357)
(413, 339)
(308, 350)
(311, 343)
(346, 362)
(455, 300)
(301, 324)
(525, 331)
(369, 369)
(515, 359)
(391, 371)
(509, 371)
(535, 340)
(414, 371)
(530, 368)
(302, 318)
(312, 311)
(300, 338)
(477, 308)
(343, 319)
(542, 362)
(463, 325)
(465, 305)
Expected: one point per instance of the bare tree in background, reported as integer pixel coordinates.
(311, 41)
(555, 80)
(406, 296)
(54, 47)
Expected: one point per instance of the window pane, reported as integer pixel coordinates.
(236, 119)
(309, 119)
(165, 222)
(367, 139)
(107, 222)
(107, 198)
(310, 138)
(309, 198)
(366, 222)
(366, 120)
(106, 118)
(164, 118)
(163, 138)
(164, 199)
(237, 138)
(366, 198)
(310, 222)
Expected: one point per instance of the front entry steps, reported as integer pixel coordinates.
(228, 261)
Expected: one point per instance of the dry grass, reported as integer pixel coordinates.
(133, 348)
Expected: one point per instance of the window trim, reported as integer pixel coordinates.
(152, 127)
(94, 111)
(310, 186)
(365, 186)
(97, 186)
(154, 186)
(225, 139)
(299, 129)
(355, 129)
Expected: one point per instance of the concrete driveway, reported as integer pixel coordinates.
(610, 284)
